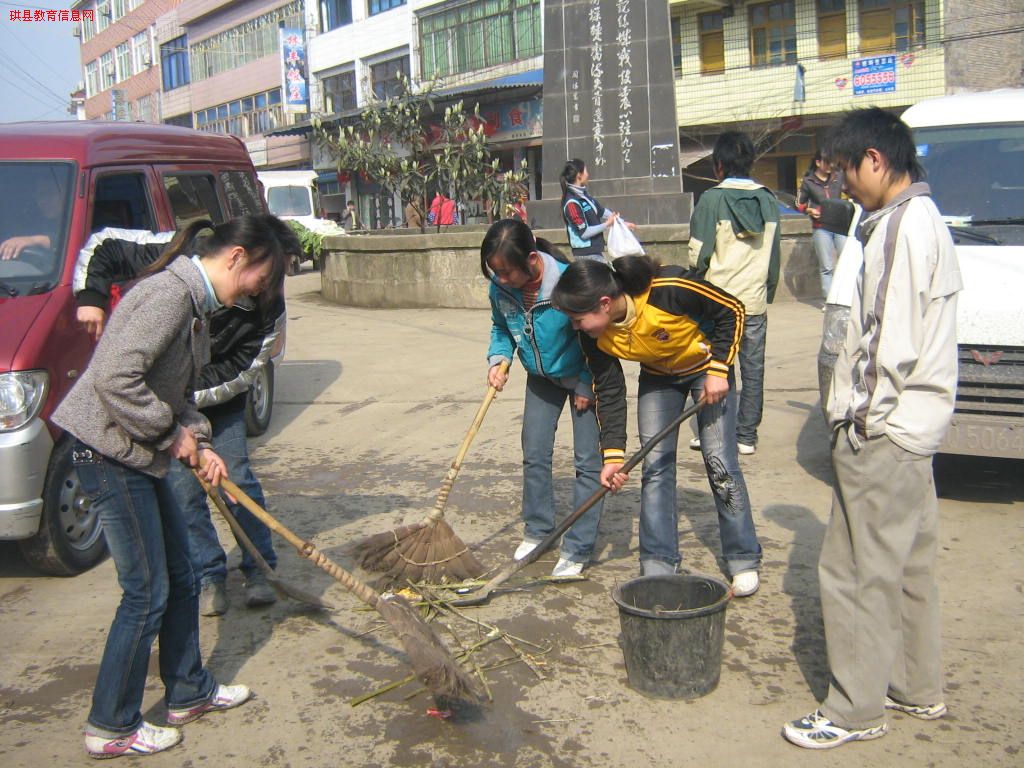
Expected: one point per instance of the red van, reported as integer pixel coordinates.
(59, 182)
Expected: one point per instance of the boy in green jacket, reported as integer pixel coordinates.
(734, 243)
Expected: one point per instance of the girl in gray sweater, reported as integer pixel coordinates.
(132, 413)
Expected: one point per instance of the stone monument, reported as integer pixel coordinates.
(609, 99)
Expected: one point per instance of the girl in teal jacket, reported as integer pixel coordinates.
(523, 272)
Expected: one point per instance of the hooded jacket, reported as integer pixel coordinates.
(735, 241)
(544, 337)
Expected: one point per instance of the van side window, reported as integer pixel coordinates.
(192, 196)
(242, 193)
(120, 200)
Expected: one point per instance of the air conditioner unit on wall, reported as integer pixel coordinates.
(147, 59)
(110, 70)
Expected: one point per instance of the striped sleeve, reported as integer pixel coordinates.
(609, 399)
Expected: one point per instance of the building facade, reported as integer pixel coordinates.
(786, 70)
(487, 52)
(222, 71)
(121, 73)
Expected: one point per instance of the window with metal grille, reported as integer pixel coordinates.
(773, 33)
(340, 92)
(379, 6)
(891, 25)
(386, 77)
(712, 43)
(480, 34)
(831, 29)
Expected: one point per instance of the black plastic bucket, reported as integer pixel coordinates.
(672, 633)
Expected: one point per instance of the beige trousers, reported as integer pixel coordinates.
(879, 598)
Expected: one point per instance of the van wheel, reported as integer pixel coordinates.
(259, 401)
(70, 538)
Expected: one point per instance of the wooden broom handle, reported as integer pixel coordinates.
(305, 548)
(453, 471)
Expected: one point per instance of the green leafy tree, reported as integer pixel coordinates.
(392, 144)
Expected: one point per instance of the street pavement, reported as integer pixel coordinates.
(370, 407)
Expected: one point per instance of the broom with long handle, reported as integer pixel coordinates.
(428, 550)
(434, 665)
(282, 587)
(482, 594)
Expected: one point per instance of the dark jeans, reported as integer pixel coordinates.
(229, 442)
(748, 419)
(660, 399)
(148, 540)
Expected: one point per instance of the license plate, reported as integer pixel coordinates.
(985, 439)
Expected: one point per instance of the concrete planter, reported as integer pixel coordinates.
(403, 268)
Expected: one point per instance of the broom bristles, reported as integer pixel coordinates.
(428, 551)
(434, 665)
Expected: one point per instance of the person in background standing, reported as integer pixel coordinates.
(414, 213)
(820, 183)
(586, 220)
(351, 220)
(735, 244)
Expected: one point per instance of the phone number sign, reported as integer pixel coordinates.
(874, 75)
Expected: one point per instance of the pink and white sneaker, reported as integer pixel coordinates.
(225, 697)
(147, 739)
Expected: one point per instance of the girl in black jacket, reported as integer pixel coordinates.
(821, 183)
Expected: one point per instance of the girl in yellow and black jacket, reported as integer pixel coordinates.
(685, 333)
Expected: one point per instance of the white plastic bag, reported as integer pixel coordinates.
(622, 242)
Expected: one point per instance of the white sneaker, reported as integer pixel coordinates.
(694, 443)
(525, 548)
(815, 731)
(146, 740)
(224, 697)
(746, 449)
(745, 583)
(566, 569)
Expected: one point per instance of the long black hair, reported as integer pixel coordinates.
(572, 169)
(814, 163)
(263, 236)
(513, 241)
(586, 280)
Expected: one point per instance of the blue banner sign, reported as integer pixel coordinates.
(874, 75)
(294, 79)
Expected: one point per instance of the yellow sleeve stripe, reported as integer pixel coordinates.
(614, 456)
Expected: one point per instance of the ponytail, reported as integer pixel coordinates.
(572, 169)
(586, 280)
(176, 247)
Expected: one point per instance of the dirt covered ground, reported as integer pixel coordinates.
(370, 408)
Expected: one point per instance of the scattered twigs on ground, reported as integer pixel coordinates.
(434, 605)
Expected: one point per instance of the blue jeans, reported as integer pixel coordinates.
(827, 246)
(752, 376)
(661, 398)
(544, 402)
(229, 442)
(148, 539)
